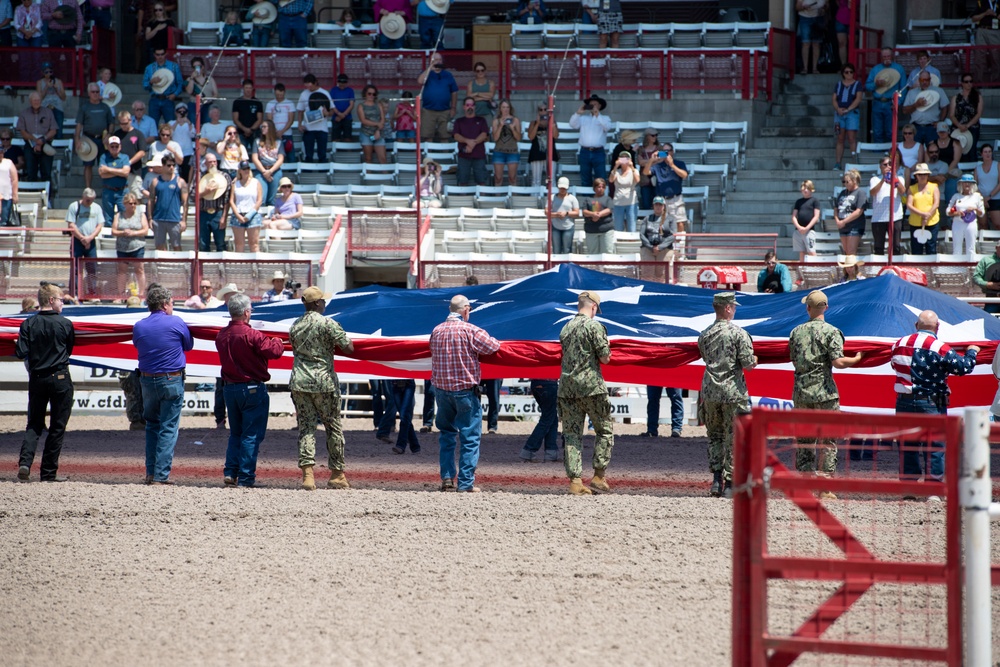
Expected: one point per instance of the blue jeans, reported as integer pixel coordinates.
(289, 148)
(314, 142)
(459, 418)
(60, 116)
(474, 169)
(913, 452)
(429, 28)
(547, 430)
(248, 404)
(625, 217)
(929, 248)
(89, 269)
(403, 396)
(342, 129)
(269, 189)
(427, 414)
(491, 389)
(291, 31)
(101, 17)
(162, 399)
(6, 206)
(34, 42)
(926, 134)
(593, 164)
(160, 107)
(676, 397)
(383, 407)
(386, 43)
(260, 35)
(646, 195)
(881, 122)
(111, 201)
(208, 230)
(562, 241)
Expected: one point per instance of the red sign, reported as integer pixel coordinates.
(910, 274)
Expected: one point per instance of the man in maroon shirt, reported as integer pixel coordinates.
(243, 355)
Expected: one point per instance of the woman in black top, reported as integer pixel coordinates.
(965, 111)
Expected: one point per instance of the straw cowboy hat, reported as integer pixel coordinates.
(112, 95)
(850, 260)
(166, 78)
(86, 148)
(278, 275)
(886, 79)
(927, 99)
(630, 137)
(393, 26)
(964, 138)
(49, 150)
(268, 13)
(439, 6)
(228, 289)
(213, 182)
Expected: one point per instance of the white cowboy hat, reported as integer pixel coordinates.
(230, 288)
(850, 260)
(48, 150)
(112, 95)
(964, 138)
(212, 182)
(166, 80)
(439, 6)
(935, 81)
(392, 26)
(278, 275)
(86, 148)
(886, 79)
(927, 99)
(922, 236)
(269, 11)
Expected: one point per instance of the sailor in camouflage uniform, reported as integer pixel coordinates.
(727, 351)
(316, 389)
(816, 348)
(582, 393)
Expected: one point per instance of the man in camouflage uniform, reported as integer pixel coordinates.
(816, 348)
(727, 351)
(316, 389)
(582, 393)
(132, 388)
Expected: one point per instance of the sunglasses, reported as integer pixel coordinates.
(164, 134)
(182, 112)
(480, 70)
(470, 106)
(966, 80)
(907, 133)
(369, 94)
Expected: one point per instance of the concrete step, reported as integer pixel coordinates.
(812, 84)
(769, 164)
(796, 110)
(781, 182)
(785, 132)
(822, 125)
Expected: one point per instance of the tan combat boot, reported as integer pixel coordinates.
(577, 488)
(598, 484)
(337, 480)
(308, 481)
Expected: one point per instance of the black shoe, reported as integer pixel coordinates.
(165, 482)
(415, 450)
(397, 450)
(675, 434)
(716, 489)
(384, 438)
(425, 429)
(647, 434)
(24, 473)
(57, 478)
(447, 485)
(727, 490)
(229, 481)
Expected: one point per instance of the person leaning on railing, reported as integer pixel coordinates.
(987, 277)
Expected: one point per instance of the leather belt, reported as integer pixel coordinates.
(172, 374)
(592, 148)
(106, 187)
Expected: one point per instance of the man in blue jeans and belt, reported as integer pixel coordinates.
(161, 341)
(430, 19)
(456, 346)
(546, 394)
(292, 20)
(243, 356)
(883, 81)
(593, 127)
(922, 364)
(653, 396)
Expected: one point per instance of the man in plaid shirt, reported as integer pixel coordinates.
(456, 347)
(292, 18)
(923, 364)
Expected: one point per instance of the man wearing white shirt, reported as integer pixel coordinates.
(281, 113)
(923, 65)
(314, 119)
(594, 128)
(880, 186)
(214, 130)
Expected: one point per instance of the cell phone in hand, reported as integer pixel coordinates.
(661, 154)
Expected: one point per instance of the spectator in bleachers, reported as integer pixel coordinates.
(987, 277)
(609, 22)
(482, 90)
(347, 19)
(440, 98)
(531, 12)
(143, 123)
(107, 86)
(564, 210)
(538, 131)
(6, 20)
(156, 34)
(53, 93)
(165, 145)
(774, 278)
(287, 213)
(643, 155)
(811, 29)
(64, 31)
(268, 155)
(625, 205)
(805, 216)
(850, 269)
(849, 213)
(260, 34)
(37, 126)
(8, 189)
(383, 8)
(163, 91)
(923, 65)
(656, 234)
(628, 142)
(938, 167)
(924, 112)
(966, 207)
(167, 208)
(670, 175)
(200, 84)
(281, 112)
(245, 200)
(922, 202)
(964, 112)
(884, 80)
(405, 119)
(153, 169)
(430, 21)
(231, 152)
(292, 22)
(506, 132)
(842, 26)
(100, 13)
(988, 180)
(232, 30)
(598, 222)
(248, 114)
(213, 191)
(85, 220)
(133, 147)
(28, 24)
(372, 119)
(342, 97)
(214, 130)
(279, 291)
(29, 304)
(183, 136)
(314, 109)
(847, 98)
(205, 298)
(593, 127)
(911, 151)
(94, 120)
(589, 13)
(130, 229)
(11, 151)
(987, 63)
(949, 153)
(471, 134)
(429, 184)
(114, 171)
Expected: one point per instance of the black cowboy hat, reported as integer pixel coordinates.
(594, 98)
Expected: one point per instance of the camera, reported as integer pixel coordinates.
(432, 167)
(661, 154)
(295, 287)
(508, 121)
(656, 240)
(544, 116)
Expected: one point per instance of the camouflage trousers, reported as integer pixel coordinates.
(805, 457)
(574, 412)
(323, 407)
(718, 418)
(132, 388)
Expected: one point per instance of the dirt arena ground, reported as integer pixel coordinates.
(106, 571)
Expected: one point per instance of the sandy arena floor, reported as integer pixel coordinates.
(106, 571)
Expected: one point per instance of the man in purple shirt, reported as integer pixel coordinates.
(471, 134)
(161, 341)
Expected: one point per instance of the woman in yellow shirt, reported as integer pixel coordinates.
(923, 206)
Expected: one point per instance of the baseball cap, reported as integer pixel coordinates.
(625, 154)
(944, 126)
(815, 298)
(342, 78)
(312, 294)
(563, 182)
(114, 140)
(245, 164)
(180, 105)
(724, 299)
(593, 296)
(659, 200)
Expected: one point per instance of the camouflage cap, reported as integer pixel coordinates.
(815, 298)
(724, 299)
